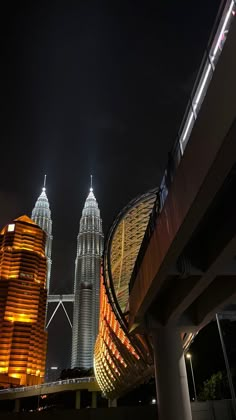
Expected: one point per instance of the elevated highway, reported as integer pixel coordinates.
(191, 252)
(50, 388)
(188, 270)
(185, 267)
(76, 385)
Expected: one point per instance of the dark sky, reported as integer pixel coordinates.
(92, 87)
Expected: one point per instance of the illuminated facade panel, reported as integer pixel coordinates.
(86, 284)
(23, 339)
(122, 360)
(125, 245)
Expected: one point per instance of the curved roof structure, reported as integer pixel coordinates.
(121, 361)
(126, 236)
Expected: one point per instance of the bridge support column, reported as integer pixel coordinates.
(171, 377)
(77, 400)
(17, 405)
(112, 403)
(94, 399)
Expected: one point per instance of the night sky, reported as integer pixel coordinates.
(92, 87)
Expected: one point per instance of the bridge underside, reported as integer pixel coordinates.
(202, 280)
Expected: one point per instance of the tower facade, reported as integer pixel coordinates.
(86, 284)
(41, 215)
(23, 294)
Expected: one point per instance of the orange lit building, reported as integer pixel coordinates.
(23, 339)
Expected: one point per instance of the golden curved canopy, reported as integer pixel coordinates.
(125, 244)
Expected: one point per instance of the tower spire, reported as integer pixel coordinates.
(41, 214)
(44, 182)
(91, 182)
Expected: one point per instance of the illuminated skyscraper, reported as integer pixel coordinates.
(86, 284)
(41, 215)
(23, 294)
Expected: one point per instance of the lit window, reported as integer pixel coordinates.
(11, 228)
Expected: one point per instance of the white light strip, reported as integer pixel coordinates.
(181, 148)
(202, 87)
(223, 28)
(187, 128)
(203, 84)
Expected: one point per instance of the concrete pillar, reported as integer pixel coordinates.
(77, 400)
(94, 399)
(171, 376)
(211, 410)
(17, 405)
(112, 403)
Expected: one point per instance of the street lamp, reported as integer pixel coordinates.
(189, 357)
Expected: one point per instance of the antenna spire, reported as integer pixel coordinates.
(91, 182)
(44, 182)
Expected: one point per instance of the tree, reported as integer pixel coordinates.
(76, 373)
(212, 388)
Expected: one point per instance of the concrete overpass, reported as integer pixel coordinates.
(75, 384)
(187, 272)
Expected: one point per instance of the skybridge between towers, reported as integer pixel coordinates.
(60, 300)
(161, 288)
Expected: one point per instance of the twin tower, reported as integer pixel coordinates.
(87, 274)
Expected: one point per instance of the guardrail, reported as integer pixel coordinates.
(49, 384)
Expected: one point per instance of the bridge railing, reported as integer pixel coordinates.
(218, 37)
(213, 51)
(49, 384)
(205, 74)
